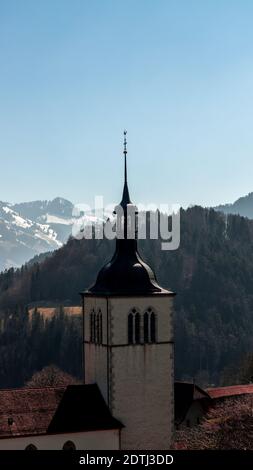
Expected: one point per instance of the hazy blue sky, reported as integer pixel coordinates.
(178, 74)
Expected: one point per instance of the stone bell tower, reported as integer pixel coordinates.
(128, 343)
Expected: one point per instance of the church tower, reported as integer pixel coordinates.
(128, 342)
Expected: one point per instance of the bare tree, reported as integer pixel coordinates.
(50, 376)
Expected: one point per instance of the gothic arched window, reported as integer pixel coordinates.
(92, 326)
(130, 328)
(100, 327)
(149, 326)
(97, 328)
(137, 328)
(146, 327)
(152, 328)
(69, 445)
(134, 327)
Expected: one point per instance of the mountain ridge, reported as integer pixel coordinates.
(242, 206)
(26, 229)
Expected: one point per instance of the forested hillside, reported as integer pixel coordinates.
(211, 272)
(27, 344)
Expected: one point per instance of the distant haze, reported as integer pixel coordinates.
(242, 206)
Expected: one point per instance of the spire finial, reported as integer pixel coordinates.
(125, 153)
(125, 142)
(125, 197)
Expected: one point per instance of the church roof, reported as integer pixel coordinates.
(126, 273)
(82, 408)
(36, 411)
(230, 391)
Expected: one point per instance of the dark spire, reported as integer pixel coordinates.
(126, 273)
(125, 154)
(125, 197)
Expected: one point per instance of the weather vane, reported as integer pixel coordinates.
(125, 142)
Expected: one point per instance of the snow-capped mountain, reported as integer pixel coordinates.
(30, 228)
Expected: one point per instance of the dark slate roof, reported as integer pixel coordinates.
(53, 410)
(184, 395)
(82, 408)
(126, 274)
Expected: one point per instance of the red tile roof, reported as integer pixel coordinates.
(33, 411)
(231, 391)
(27, 411)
